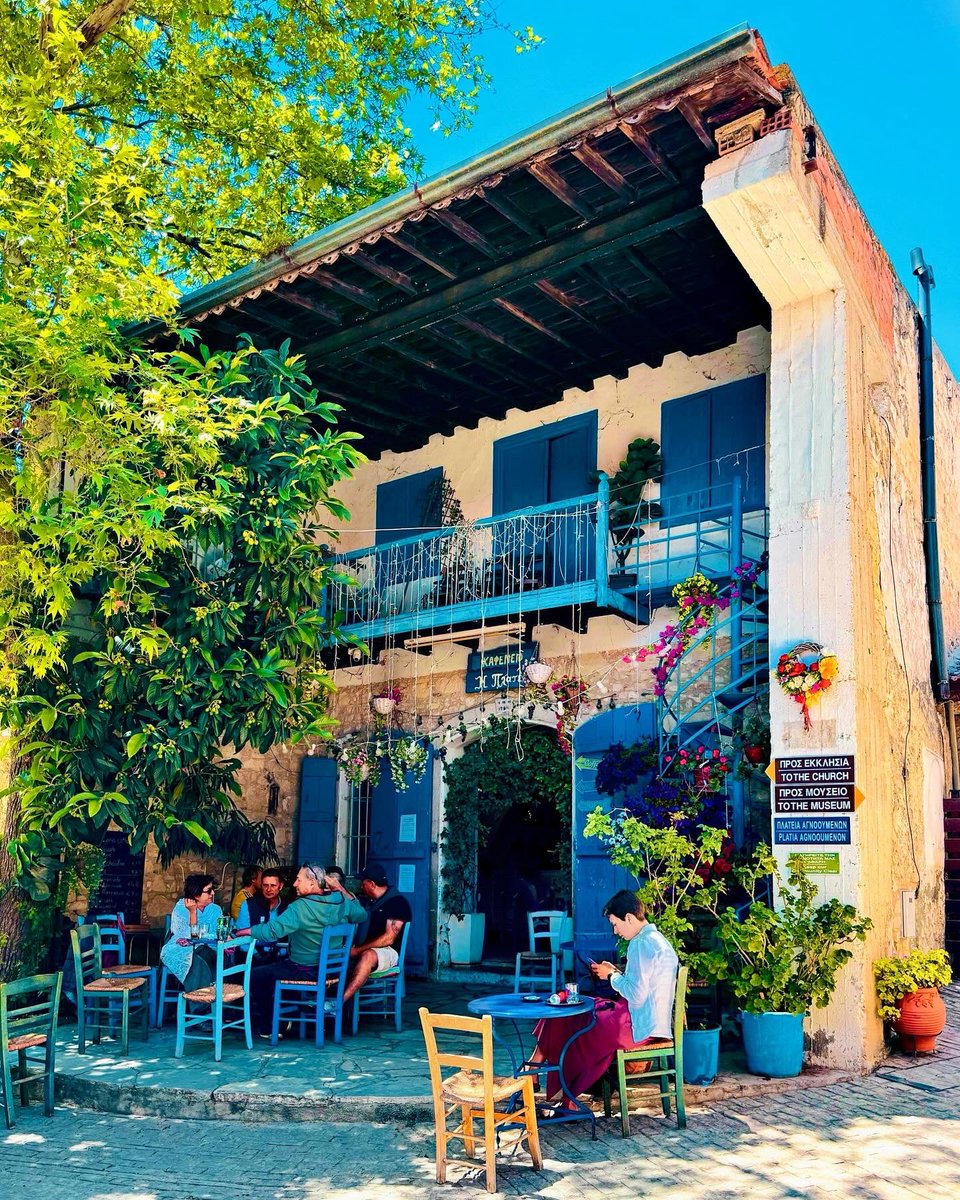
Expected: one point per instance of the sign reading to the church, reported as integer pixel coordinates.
(500, 669)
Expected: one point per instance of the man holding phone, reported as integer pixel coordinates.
(641, 1015)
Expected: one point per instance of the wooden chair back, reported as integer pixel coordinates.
(28, 1007)
(441, 1060)
(544, 929)
(87, 954)
(680, 1006)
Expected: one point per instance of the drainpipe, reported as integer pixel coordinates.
(928, 479)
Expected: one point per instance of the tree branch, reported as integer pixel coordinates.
(101, 20)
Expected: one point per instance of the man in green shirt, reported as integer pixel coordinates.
(321, 902)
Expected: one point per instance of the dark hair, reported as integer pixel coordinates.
(623, 904)
(338, 874)
(193, 885)
(273, 872)
(249, 875)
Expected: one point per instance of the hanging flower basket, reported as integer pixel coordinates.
(384, 705)
(538, 672)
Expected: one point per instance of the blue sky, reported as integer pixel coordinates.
(879, 78)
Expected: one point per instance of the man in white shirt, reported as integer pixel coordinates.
(643, 1013)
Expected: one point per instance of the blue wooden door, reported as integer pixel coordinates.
(595, 879)
(400, 838)
(317, 824)
(407, 507)
(543, 466)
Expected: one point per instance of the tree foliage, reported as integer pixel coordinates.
(142, 149)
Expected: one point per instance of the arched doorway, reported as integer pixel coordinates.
(511, 796)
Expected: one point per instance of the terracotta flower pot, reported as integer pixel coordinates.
(922, 1017)
(754, 754)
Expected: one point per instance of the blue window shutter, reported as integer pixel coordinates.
(317, 827)
(550, 463)
(519, 473)
(408, 506)
(685, 446)
(738, 424)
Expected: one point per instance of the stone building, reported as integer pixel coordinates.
(679, 259)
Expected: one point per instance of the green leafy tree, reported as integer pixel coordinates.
(143, 149)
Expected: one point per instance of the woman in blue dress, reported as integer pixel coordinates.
(188, 953)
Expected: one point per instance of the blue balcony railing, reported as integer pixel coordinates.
(535, 559)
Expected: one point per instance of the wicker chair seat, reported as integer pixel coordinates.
(106, 984)
(127, 969)
(206, 995)
(27, 1040)
(466, 1087)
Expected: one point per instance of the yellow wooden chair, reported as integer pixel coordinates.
(668, 1057)
(474, 1090)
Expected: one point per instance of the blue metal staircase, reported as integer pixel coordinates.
(724, 672)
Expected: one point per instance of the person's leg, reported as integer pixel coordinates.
(363, 967)
(262, 978)
(203, 965)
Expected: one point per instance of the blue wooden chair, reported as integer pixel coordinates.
(112, 940)
(305, 1003)
(383, 993)
(28, 1020)
(99, 995)
(226, 1005)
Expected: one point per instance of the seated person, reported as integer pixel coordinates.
(263, 906)
(642, 1014)
(387, 913)
(303, 924)
(249, 887)
(188, 953)
(336, 877)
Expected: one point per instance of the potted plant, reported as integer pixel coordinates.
(907, 990)
(407, 756)
(569, 692)
(778, 962)
(386, 700)
(358, 761)
(755, 738)
(628, 508)
(538, 672)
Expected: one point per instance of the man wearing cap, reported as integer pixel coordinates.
(387, 914)
(320, 902)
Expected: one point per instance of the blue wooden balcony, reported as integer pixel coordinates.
(538, 561)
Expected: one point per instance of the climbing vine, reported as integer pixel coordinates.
(482, 784)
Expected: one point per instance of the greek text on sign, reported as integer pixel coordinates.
(822, 863)
(811, 831)
(816, 797)
(815, 768)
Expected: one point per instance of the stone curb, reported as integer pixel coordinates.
(232, 1105)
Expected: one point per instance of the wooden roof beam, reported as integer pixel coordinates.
(528, 319)
(254, 311)
(292, 296)
(391, 275)
(514, 214)
(638, 225)
(572, 305)
(410, 247)
(464, 231)
(757, 83)
(469, 386)
(644, 143)
(349, 291)
(554, 378)
(594, 161)
(694, 118)
(546, 175)
(457, 346)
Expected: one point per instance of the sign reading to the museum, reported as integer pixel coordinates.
(499, 669)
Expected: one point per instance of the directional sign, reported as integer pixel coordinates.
(811, 831)
(815, 768)
(812, 798)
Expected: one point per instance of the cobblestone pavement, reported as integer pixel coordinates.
(894, 1135)
(874, 1139)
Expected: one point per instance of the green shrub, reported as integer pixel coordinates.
(898, 977)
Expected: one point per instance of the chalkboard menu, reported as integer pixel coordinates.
(121, 888)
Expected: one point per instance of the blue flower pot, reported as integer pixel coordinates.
(773, 1043)
(701, 1052)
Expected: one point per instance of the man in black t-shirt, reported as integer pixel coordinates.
(387, 914)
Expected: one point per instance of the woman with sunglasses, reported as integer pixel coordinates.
(188, 953)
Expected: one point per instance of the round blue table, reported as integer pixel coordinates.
(512, 1007)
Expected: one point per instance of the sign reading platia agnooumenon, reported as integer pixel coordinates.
(811, 831)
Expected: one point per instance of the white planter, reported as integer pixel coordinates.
(384, 705)
(538, 672)
(466, 937)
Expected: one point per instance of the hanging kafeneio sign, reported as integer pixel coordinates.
(501, 668)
